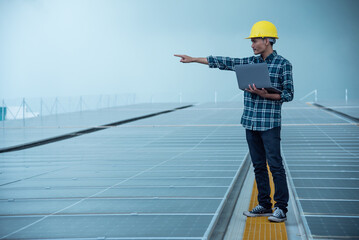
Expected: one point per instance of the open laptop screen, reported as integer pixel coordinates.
(249, 74)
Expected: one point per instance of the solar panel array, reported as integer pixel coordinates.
(158, 178)
(167, 177)
(322, 155)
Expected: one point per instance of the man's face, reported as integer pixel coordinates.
(258, 45)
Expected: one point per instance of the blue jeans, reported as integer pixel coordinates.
(266, 145)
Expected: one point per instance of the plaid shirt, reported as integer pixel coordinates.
(261, 114)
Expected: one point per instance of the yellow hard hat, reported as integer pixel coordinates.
(263, 29)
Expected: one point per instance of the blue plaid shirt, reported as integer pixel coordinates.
(261, 114)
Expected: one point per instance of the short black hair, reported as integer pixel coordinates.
(269, 39)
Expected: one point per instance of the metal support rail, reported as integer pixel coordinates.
(223, 215)
(297, 207)
(337, 112)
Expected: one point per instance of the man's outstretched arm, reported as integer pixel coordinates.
(222, 63)
(188, 59)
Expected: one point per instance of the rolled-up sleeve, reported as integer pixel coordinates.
(226, 63)
(287, 78)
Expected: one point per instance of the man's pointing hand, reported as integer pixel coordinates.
(188, 59)
(185, 58)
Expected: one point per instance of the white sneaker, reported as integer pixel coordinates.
(278, 216)
(258, 211)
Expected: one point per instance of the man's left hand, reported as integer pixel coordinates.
(261, 92)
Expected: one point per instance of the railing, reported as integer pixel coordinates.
(238, 96)
(38, 107)
(315, 92)
(23, 108)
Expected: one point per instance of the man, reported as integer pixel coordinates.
(262, 117)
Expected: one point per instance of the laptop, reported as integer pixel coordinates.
(249, 74)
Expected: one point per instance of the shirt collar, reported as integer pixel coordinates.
(270, 57)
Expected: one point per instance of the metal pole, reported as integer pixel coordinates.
(41, 108)
(69, 105)
(316, 95)
(80, 103)
(23, 111)
(346, 96)
(56, 105)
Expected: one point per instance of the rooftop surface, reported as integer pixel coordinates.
(168, 176)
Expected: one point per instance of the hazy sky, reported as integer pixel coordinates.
(73, 47)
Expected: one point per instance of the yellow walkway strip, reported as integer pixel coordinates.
(260, 227)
